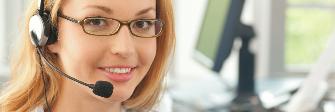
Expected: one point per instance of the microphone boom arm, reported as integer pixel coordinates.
(40, 52)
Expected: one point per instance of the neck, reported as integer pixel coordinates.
(73, 98)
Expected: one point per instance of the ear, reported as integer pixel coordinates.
(54, 48)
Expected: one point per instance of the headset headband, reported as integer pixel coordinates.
(41, 7)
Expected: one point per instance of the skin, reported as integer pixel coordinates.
(83, 56)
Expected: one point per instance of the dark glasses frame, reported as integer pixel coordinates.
(121, 23)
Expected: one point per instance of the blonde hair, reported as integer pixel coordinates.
(24, 90)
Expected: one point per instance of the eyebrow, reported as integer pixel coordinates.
(145, 11)
(108, 10)
(105, 9)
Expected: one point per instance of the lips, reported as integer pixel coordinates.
(118, 73)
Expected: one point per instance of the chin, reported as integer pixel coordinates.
(117, 96)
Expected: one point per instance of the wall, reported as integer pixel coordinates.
(2, 37)
(269, 23)
(11, 11)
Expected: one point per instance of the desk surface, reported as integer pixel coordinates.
(204, 92)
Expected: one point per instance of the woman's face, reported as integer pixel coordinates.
(122, 59)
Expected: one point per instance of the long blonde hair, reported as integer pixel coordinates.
(24, 90)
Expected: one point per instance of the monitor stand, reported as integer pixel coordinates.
(246, 99)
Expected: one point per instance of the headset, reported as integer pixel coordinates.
(42, 33)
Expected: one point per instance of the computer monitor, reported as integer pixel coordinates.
(220, 27)
(222, 17)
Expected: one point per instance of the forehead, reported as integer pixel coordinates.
(113, 5)
(118, 9)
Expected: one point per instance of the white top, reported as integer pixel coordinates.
(165, 105)
(40, 109)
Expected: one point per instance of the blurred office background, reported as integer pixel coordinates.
(290, 36)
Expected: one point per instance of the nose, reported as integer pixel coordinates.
(123, 43)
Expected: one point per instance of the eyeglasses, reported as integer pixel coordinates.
(100, 26)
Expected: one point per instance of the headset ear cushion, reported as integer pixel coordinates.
(53, 37)
(41, 30)
(36, 30)
(50, 31)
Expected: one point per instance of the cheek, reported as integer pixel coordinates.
(77, 51)
(147, 52)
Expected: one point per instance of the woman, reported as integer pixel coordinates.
(109, 40)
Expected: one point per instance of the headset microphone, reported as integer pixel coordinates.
(43, 33)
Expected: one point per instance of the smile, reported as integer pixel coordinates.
(118, 73)
(118, 70)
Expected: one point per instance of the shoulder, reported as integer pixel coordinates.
(165, 104)
(38, 109)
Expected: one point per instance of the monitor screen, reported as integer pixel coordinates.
(211, 31)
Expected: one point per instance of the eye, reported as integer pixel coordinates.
(143, 24)
(96, 22)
